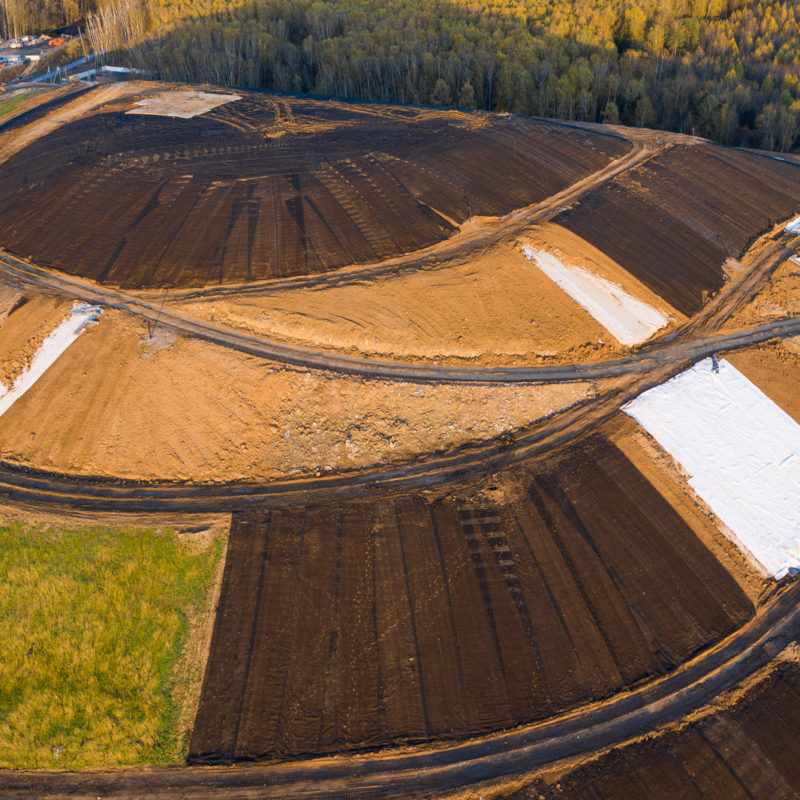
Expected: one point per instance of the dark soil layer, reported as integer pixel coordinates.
(40, 110)
(266, 187)
(751, 750)
(380, 621)
(673, 221)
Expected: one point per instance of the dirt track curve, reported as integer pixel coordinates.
(687, 341)
(424, 772)
(427, 470)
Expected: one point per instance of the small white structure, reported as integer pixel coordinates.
(741, 451)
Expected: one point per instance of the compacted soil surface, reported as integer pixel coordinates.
(119, 402)
(393, 619)
(507, 311)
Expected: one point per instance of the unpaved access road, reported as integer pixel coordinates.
(426, 772)
(427, 470)
(688, 341)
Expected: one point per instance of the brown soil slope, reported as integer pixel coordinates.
(775, 369)
(267, 186)
(172, 408)
(673, 221)
(748, 750)
(374, 622)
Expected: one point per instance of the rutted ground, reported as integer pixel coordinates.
(269, 186)
(779, 299)
(674, 221)
(118, 403)
(747, 745)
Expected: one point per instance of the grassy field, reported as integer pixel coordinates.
(7, 106)
(93, 627)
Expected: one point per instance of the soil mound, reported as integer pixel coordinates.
(270, 186)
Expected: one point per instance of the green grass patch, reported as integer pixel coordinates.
(92, 625)
(7, 106)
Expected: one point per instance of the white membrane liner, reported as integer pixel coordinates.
(81, 317)
(742, 454)
(627, 319)
(182, 104)
(794, 225)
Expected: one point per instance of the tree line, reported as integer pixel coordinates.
(24, 17)
(728, 70)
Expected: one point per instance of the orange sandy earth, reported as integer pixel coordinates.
(23, 331)
(491, 307)
(116, 403)
(778, 299)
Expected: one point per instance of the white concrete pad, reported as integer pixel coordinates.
(81, 317)
(628, 320)
(182, 104)
(741, 451)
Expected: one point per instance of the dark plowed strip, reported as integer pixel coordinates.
(746, 760)
(485, 679)
(403, 692)
(401, 619)
(310, 680)
(743, 751)
(224, 684)
(277, 624)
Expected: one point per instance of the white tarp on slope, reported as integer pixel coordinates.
(81, 317)
(794, 225)
(627, 319)
(741, 451)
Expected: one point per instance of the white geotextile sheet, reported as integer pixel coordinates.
(742, 453)
(181, 104)
(794, 225)
(80, 318)
(628, 320)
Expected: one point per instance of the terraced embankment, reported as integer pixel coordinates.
(673, 221)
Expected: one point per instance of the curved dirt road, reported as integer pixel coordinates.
(469, 239)
(427, 772)
(668, 348)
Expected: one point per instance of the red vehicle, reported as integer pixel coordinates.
(57, 42)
